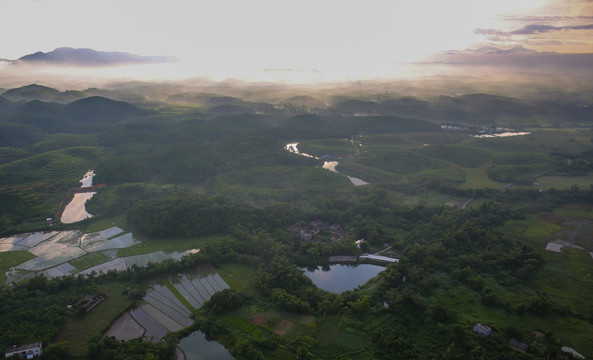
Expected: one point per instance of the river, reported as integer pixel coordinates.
(504, 134)
(76, 210)
(328, 165)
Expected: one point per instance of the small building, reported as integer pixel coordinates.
(518, 345)
(482, 329)
(305, 236)
(25, 351)
(316, 223)
(92, 301)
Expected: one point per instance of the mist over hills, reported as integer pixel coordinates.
(477, 109)
(42, 93)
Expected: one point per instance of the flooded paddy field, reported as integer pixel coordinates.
(125, 328)
(62, 253)
(164, 311)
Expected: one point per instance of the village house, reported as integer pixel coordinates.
(518, 345)
(307, 232)
(482, 329)
(25, 351)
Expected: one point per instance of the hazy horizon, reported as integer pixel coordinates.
(301, 42)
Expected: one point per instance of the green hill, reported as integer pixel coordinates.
(97, 109)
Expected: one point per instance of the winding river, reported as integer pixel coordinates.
(76, 210)
(329, 165)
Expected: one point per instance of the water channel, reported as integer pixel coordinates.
(75, 210)
(338, 278)
(328, 165)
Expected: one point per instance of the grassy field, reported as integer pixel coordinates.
(564, 182)
(77, 332)
(332, 341)
(106, 223)
(10, 259)
(566, 280)
(89, 260)
(239, 277)
(327, 146)
(177, 294)
(476, 178)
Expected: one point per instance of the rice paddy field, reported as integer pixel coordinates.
(78, 331)
(168, 303)
(62, 253)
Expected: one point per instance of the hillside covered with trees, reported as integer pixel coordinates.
(469, 213)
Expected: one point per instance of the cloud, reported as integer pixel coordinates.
(564, 18)
(517, 58)
(533, 29)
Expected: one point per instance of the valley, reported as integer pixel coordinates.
(198, 224)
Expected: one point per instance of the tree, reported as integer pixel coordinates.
(57, 351)
(390, 345)
(225, 300)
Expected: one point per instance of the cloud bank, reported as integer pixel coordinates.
(533, 29)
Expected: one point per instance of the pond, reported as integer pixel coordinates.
(197, 347)
(341, 277)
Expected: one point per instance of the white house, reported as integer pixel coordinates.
(25, 351)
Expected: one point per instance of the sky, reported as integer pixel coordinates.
(296, 40)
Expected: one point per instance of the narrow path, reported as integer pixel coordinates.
(380, 251)
(467, 202)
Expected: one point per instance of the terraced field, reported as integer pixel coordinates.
(8, 154)
(52, 165)
(61, 141)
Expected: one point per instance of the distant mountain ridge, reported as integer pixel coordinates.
(90, 57)
(47, 94)
(42, 93)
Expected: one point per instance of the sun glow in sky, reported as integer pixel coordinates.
(295, 39)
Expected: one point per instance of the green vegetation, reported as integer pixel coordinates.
(328, 146)
(11, 259)
(89, 260)
(177, 294)
(214, 175)
(169, 244)
(79, 331)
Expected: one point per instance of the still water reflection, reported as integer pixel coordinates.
(340, 277)
(197, 347)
